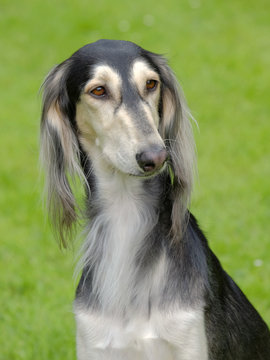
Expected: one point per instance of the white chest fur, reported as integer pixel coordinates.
(128, 333)
(176, 335)
(116, 236)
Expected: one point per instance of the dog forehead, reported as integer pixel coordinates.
(118, 54)
(112, 49)
(137, 70)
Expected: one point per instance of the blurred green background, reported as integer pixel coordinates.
(220, 51)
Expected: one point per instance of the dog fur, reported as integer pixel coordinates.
(151, 288)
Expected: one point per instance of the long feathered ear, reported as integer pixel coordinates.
(176, 130)
(59, 151)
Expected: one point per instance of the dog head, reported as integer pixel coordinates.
(120, 106)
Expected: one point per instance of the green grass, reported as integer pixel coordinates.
(220, 52)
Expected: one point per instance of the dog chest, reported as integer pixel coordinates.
(175, 335)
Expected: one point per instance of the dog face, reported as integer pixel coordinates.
(117, 112)
(116, 107)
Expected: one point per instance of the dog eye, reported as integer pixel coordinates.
(98, 91)
(151, 84)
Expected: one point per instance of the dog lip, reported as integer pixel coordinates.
(147, 175)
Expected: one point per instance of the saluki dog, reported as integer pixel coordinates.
(115, 119)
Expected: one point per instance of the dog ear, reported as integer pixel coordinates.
(176, 130)
(59, 151)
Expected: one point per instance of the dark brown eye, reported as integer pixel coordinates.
(99, 91)
(151, 84)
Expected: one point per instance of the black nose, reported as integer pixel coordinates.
(152, 159)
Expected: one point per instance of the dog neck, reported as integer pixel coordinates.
(125, 210)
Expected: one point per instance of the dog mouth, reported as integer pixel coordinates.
(150, 173)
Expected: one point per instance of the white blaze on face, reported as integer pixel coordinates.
(110, 120)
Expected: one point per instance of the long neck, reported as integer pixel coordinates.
(125, 210)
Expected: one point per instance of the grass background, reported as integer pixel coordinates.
(220, 51)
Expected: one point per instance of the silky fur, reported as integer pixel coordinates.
(150, 287)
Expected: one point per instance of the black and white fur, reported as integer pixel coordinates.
(150, 287)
